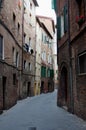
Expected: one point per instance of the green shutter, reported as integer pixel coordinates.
(53, 4)
(43, 71)
(58, 27)
(65, 18)
(51, 73)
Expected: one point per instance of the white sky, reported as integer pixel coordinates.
(45, 8)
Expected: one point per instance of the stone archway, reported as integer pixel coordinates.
(63, 88)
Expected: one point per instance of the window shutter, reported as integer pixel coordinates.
(52, 73)
(65, 18)
(53, 3)
(1, 47)
(42, 71)
(0, 3)
(58, 27)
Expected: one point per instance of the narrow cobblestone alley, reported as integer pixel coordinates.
(40, 113)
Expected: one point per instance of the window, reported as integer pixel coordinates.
(18, 27)
(82, 63)
(1, 47)
(17, 59)
(65, 18)
(24, 64)
(80, 19)
(30, 20)
(43, 71)
(14, 55)
(0, 3)
(44, 56)
(30, 66)
(42, 37)
(29, 41)
(24, 37)
(14, 79)
(81, 5)
(31, 6)
(51, 73)
(49, 59)
(14, 20)
(62, 25)
(48, 72)
(45, 39)
(59, 27)
(14, 17)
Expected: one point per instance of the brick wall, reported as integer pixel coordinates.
(77, 46)
(12, 38)
(79, 82)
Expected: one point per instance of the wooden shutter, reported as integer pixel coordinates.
(65, 18)
(59, 27)
(53, 3)
(42, 71)
(0, 3)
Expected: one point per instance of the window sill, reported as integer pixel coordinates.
(81, 74)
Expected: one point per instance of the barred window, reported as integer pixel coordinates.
(82, 63)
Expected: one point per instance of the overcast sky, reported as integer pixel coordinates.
(45, 8)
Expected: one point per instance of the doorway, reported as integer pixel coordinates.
(64, 86)
(42, 87)
(29, 89)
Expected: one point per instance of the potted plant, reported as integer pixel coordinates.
(80, 19)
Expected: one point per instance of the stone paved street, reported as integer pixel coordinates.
(40, 112)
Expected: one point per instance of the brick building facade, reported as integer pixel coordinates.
(29, 47)
(15, 74)
(10, 52)
(47, 68)
(71, 29)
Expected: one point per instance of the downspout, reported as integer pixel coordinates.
(71, 107)
(22, 31)
(21, 83)
(56, 10)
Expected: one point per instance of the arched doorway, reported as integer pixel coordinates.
(42, 87)
(64, 87)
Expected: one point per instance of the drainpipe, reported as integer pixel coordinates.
(22, 31)
(71, 108)
(20, 87)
